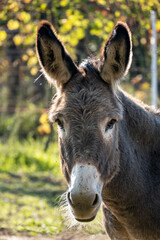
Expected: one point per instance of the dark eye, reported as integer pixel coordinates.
(110, 124)
(60, 124)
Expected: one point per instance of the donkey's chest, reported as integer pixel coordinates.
(139, 219)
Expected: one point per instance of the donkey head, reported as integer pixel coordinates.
(87, 110)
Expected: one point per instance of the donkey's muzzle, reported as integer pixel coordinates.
(84, 195)
(84, 205)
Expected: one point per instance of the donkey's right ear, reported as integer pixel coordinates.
(54, 59)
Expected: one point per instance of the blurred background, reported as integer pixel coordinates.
(29, 165)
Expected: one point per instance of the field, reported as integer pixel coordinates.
(31, 186)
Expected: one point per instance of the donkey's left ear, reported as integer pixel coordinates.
(117, 54)
(56, 63)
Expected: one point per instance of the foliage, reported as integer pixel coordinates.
(20, 125)
(44, 127)
(143, 92)
(82, 25)
(25, 125)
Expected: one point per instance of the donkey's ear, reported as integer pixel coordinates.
(117, 54)
(54, 59)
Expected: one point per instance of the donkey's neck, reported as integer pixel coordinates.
(139, 152)
(139, 141)
(137, 183)
(141, 122)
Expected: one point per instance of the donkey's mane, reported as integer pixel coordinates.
(93, 65)
(90, 64)
(139, 103)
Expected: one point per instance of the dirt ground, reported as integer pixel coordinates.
(62, 236)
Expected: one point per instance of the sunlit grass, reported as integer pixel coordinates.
(31, 186)
(29, 204)
(29, 156)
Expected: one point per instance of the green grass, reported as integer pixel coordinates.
(29, 204)
(29, 157)
(30, 187)
(31, 184)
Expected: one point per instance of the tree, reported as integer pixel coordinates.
(83, 25)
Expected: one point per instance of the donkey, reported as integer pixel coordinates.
(109, 142)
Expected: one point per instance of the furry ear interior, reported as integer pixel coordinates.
(117, 54)
(54, 59)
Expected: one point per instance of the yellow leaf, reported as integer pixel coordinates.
(44, 129)
(158, 25)
(117, 14)
(30, 52)
(27, 1)
(24, 16)
(123, 18)
(40, 129)
(43, 118)
(80, 33)
(145, 86)
(27, 28)
(43, 6)
(3, 35)
(14, 6)
(66, 27)
(110, 24)
(102, 2)
(69, 12)
(143, 41)
(64, 3)
(96, 32)
(24, 57)
(34, 71)
(29, 40)
(32, 61)
(13, 24)
(124, 6)
(98, 23)
(18, 39)
(73, 39)
(147, 26)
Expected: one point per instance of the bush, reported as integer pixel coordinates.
(20, 125)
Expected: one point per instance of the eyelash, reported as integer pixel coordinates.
(60, 124)
(110, 124)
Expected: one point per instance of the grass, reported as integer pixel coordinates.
(29, 157)
(29, 204)
(31, 184)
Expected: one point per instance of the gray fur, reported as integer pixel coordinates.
(129, 162)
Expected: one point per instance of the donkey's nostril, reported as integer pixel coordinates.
(96, 199)
(79, 199)
(69, 198)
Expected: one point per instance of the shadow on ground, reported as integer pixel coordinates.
(30, 207)
(34, 185)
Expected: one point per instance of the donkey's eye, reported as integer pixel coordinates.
(60, 124)
(110, 124)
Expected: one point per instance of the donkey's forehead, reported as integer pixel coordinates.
(87, 93)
